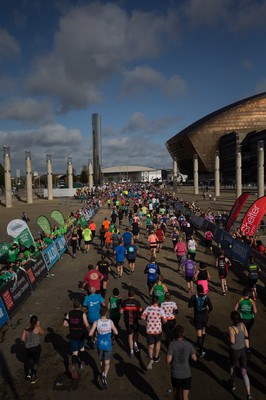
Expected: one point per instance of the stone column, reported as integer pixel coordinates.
(217, 174)
(196, 174)
(90, 175)
(175, 175)
(8, 181)
(260, 177)
(70, 172)
(49, 177)
(28, 176)
(238, 171)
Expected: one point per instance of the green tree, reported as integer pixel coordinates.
(83, 177)
(2, 175)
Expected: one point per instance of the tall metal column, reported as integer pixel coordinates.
(260, 176)
(49, 177)
(217, 174)
(238, 171)
(196, 174)
(174, 175)
(8, 181)
(70, 172)
(28, 177)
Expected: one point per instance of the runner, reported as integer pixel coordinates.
(192, 247)
(93, 303)
(153, 239)
(31, 338)
(239, 351)
(127, 237)
(120, 254)
(223, 264)
(160, 235)
(190, 268)
(180, 251)
(104, 269)
(131, 309)
(202, 307)
(114, 306)
(253, 276)
(175, 236)
(159, 289)
(93, 228)
(208, 241)
(202, 276)
(154, 315)
(247, 310)
(108, 240)
(77, 321)
(178, 355)
(104, 328)
(74, 242)
(132, 251)
(153, 271)
(115, 239)
(135, 230)
(87, 235)
(170, 310)
(102, 232)
(93, 278)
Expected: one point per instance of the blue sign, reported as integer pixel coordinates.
(3, 314)
(60, 244)
(50, 255)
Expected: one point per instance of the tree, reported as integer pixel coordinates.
(83, 177)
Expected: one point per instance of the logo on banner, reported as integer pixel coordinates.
(15, 227)
(253, 217)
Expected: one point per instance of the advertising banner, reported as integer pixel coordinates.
(58, 217)
(50, 255)
(60, 244)
(44, 224)
(235, 210)
(15, 227)
(13, 294)
(3, 314)
(36, 270)
(253, 217)
(82, 221)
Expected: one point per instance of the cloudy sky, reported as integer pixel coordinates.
(149, 67)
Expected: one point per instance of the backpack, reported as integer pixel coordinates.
(199, 302)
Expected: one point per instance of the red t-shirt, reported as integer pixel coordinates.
(92, 278)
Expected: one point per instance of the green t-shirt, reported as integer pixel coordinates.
(246, 309)
(160, 292)
(115, 304)
(12, 255)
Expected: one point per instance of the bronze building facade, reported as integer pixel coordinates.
(240, 123)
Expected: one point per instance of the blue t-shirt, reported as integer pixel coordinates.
(132, 251)
(120, 252)
(93, 303)
(127, 237)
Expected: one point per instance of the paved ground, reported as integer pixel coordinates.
(128, 378)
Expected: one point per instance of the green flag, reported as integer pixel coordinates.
(82, 221)
(25, 238)
(4, 247)
(58, 217)
(44, 224)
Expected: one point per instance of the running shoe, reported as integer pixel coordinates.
(82, 367)
(157, 359)
(131, 354)
(28, 377)
(249, 397)
(149, 366)
(104, 381)
(233, 387)
(33, 379)
(202, 354)
(136, 349)
(74, 373)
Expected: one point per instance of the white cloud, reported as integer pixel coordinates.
(9, 46)
(25, 109)
(93, 43)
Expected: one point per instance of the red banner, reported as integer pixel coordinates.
(240, 201)
(253, 217)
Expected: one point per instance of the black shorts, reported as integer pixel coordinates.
(200, 320)
(238, 356)
(132, 328)
(131, 261)
(252, 283)
(189, 278)
(222, 276)
(184, 383)
(87, 242)
(153, 339)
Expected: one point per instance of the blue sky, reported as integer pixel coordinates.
(149, 67)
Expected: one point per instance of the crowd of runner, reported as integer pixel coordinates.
(144, 209)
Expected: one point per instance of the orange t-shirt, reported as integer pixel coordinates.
(92, 226)
(108, 237)
(106, 224)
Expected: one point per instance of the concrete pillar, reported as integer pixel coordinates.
(49, 177)
(90, 175)
(260, 178)
(217, 174)
(70, 172)
(196, 174)
(175, 175)
(238, 171)
(8, 181)
(28, 177)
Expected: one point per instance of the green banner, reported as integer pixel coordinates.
(82, 221)
(4, 247)
(25, 238)
(58, 217)
(44, 224)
